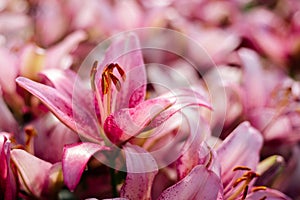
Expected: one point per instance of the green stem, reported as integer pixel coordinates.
(113, 182)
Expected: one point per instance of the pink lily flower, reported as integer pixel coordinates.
(37, 178)
(118, 91)
(25, 175)
(221, 174)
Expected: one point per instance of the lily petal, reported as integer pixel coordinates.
(126, 52)
(7, 179)
(183, 98)
(33, 171)
(75, 158)
(199, 130)
(59, 54)
(253, 79)
(141, 170)
(200, 183)
(8, 70)
(240, 148)
(270, 194)
(61, 106)
(7, 122)
(127, 123)
(51, 138)
(65, 81)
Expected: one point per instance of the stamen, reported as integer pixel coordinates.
(93, 74)
(105, 83)
(210, 158)
(258, 188)
(241, 168)
(108, 77)
(116, 81)
(121, 71)
(30, 134)
(245, 192)
(251, 175)
(239, 180)
(246, 178)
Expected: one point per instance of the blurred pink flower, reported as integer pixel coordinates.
(270, 99)
(7, 122)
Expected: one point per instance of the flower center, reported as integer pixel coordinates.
(108, 78)
(242, 183)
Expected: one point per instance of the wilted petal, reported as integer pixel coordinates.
(141, 170)
(33, 171)
(268, 194)
(75, 158)
(62, 107)
(126, 52)
(200, 183)
(240, 148)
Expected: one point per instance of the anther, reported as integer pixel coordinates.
(121, 71)
(258, 188)
(246, 178)
(108, 77)
(241, 168)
